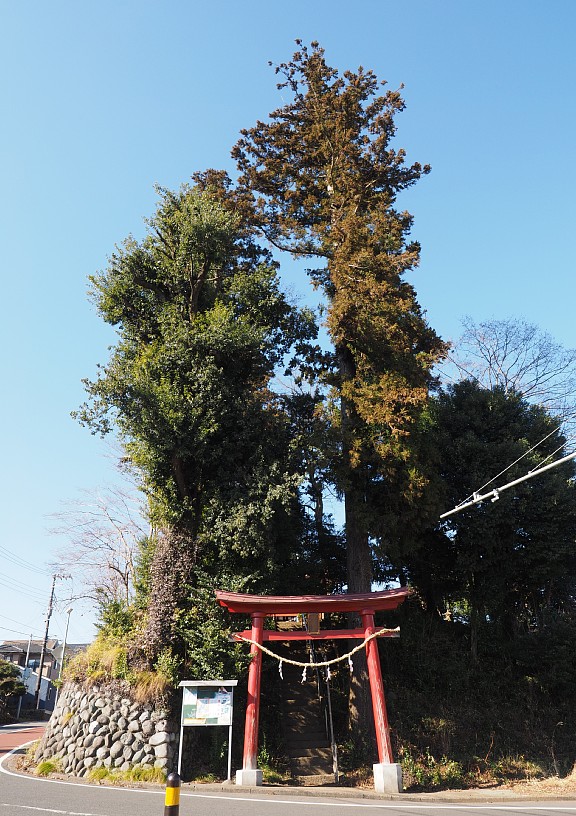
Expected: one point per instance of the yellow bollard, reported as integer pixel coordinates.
(172, 800)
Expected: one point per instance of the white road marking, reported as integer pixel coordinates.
(47, 810)
(268, 800)
(307, 802)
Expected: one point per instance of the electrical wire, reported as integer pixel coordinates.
(515, 462)
(15, 621)
(554, 452)
(60, 619)
(20, 586)
(20, 562)
(19, 632)
(564, 420)
(494, 495)
(23, 585)
(540, 464)
(22, 590)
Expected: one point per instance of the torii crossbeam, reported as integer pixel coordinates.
(387, 774)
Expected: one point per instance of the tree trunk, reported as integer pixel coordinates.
(474, 624)
(359, 563)
(170, 571)
(359, 569)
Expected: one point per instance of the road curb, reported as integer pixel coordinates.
(465, 797)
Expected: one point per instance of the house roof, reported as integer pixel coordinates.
(11, 646)
(76, 648)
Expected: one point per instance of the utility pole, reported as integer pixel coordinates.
(68, 612)
(44, 642)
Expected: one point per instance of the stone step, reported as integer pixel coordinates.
(292, 733)
(294, 738)
(311, 751)
(297, 716)
(315, 780)
(302, 692)
(305, 748)
(293, 705)
(299, 727)
(304, 731)
(310, 766)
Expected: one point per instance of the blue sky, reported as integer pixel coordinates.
(101, 100)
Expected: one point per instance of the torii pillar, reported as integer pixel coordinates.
(250, 775)
(387, 773)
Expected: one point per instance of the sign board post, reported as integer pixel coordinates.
(205, 703)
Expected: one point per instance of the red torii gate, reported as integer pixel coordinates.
(387, 774)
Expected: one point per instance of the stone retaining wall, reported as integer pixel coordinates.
(100, 727)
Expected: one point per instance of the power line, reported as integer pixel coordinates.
(494, 495)
(14, 621)
(19, 586)
(21, 562)
(37, 599)
(554, 452)
(18, 632)
(24, 584)
(515, 462)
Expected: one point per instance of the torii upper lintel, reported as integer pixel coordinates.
(295, 604)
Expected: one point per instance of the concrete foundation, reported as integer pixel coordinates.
(387, 777)
(249, 778)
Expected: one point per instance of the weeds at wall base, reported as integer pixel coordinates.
(48, 767)
(135, 774)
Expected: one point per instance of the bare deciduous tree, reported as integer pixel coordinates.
(102, 530)
(515, 355)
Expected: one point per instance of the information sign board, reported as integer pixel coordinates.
(207, 702)
(207, 705)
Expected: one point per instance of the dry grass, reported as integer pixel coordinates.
(548, 785)
(107, 662)
(148, 686)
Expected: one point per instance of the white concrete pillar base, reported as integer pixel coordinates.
(249, 778)
(387, 777)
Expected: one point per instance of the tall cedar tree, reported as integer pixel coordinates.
(325, 180)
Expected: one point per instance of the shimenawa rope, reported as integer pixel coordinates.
(323, 662)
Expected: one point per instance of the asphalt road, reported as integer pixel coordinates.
(11, 736)
(27, 796)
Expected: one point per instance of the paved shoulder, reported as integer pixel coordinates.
(16, 734)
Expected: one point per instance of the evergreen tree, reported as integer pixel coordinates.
(508, 564)
(202, 328)
(11, 684)
(324, 179)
